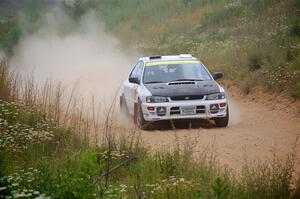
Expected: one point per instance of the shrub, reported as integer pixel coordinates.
(10, 34)
(297, 3)
(295, 30)
(255, 62)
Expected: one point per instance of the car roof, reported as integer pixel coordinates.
(158, 58)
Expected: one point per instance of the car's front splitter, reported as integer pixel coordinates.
(205, 109)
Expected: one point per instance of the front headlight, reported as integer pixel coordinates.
(156, 99)
(216, 96)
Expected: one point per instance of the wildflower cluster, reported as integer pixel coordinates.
(21, 185)
(278, 77)
(116, 191)
(233, 4)
(113, 154)
(172, 183)
(19, 127)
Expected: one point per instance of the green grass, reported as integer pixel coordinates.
(58, 164)
(163, 175)
(10, 34)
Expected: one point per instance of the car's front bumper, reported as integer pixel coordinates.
(174, 109)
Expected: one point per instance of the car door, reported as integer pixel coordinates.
(130, 87)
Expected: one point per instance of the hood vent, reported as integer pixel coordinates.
(181, 83)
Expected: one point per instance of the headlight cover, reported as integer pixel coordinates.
(156, 99)
(216, 96)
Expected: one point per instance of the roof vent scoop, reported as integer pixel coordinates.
(155, 57)
(185, 56)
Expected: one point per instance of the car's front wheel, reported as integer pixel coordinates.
(139, 117)
(222, 121)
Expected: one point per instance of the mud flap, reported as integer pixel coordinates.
(135, 113)
(121, 102)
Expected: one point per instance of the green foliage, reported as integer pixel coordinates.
(275, 181)
(222, 15)
(5, 82)
(26, 136)
(14, 25)
(297, 3)
(296, 30)
(137, 11)
(10, 34)
(255, 62)
(260, 5)
(73, 177)
(21, 184)
(220, 189)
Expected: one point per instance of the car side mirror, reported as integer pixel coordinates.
(217, 75)
(134, 80)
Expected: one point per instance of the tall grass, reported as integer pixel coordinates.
(8, 83)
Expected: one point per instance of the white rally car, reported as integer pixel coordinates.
(171, 88)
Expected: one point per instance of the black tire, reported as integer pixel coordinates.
(222, 121)
(139, 118)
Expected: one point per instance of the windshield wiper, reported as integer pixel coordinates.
(153, 82)
(178, 80)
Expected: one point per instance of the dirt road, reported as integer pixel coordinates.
(255, 131)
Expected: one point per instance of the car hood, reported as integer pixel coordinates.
(183, 88)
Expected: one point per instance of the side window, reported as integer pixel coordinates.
(134, 71)
(140, 70)
(137, 71)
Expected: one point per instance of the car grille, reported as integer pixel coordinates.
(176, 110)
(189, 97)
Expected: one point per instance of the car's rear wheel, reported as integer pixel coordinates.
(139, 117)
(222, 121)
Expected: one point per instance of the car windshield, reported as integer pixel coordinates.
(163, 73)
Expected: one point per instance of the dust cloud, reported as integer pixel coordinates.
(84, 54)
(2, 55)
(234, 113)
